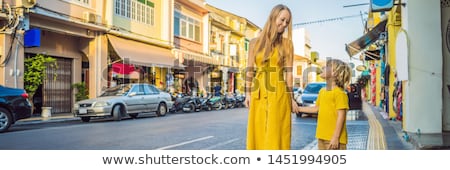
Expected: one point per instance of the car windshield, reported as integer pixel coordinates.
(313, 88)
(119, 90)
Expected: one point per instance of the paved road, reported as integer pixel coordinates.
(214, 130)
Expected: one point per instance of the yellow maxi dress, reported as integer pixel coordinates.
(269, 118)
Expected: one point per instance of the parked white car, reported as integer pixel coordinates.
(124, 100)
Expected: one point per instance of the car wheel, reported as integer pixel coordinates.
(5, 120)
(134, 115)
(162, 109)
(117, 112)
(85, 119)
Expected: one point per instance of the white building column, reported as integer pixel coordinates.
(423, 90)
(445, 25)
(225, 79)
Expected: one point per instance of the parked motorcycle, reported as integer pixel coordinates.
(229, 101)
(193, 104)
(206, 103)
(240, 100)
(179, 101)
(216, 102)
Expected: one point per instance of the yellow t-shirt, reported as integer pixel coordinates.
(329, 102)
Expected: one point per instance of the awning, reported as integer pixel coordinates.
(138, 53)
(361, 43)
(187, 55)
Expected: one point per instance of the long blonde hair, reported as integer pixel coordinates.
(269, 38)
(342, 72)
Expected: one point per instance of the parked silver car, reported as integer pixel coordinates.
(124, 100)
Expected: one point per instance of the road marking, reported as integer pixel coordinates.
(221, 144)
(311, 146)
(184, 143)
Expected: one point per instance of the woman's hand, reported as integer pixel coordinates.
(295, 108)
(247, 100)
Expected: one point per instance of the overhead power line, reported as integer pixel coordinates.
(353, 5)
(328, 20)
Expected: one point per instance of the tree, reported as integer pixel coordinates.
(34, 74)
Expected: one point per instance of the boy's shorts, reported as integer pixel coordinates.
(323, 145)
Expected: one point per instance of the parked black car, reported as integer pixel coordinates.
(14, 105)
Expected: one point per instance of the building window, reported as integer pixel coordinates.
(187, 27)
(142, 11)
(81, 2)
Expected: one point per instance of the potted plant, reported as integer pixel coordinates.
(34, 74)
(82, 91)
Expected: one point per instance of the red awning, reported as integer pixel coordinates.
(122, 68)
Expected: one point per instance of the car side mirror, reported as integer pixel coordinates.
(132, 94)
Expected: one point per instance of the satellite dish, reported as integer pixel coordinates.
(361, 68)
(28, 3)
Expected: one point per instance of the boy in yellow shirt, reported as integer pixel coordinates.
(331, 106)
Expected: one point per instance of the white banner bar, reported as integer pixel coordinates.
(199, 159)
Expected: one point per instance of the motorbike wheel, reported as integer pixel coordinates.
(217, 106)
(191, 108)
(225, 105)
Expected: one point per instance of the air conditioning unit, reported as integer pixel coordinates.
(91, 17)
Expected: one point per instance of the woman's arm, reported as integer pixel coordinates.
(311, 109)
(249, 73)
(288, 69)
(288, 66)
(250, 69)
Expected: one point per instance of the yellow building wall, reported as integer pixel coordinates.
(378, 83)
(393, 30)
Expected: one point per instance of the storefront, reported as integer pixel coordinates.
(68, 48)
(198, 72)
(137, 62)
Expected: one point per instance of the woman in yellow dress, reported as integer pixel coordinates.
(269, 86)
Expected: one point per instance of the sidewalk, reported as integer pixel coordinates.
(395, 138)
(384, 134)
(60, 117)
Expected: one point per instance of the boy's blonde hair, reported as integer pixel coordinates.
(342, 73)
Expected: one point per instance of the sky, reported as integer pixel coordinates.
(327, 38)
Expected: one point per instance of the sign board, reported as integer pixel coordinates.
(381, 5)
(401, 55)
